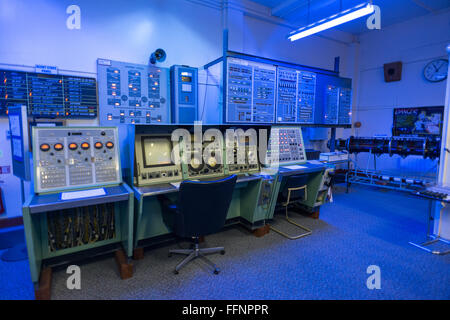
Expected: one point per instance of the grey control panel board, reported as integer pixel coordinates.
(258, 92)
(132, 93)
(250, 95)
(306, 97)
(345, 106)
(75, 158)
(338, 105)
(286, 146)
(296, 93)
(48, 96)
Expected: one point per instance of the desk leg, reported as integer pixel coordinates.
(316, 213)
(125, 266)
(138, 253)
(346, 177)
(430, 216)
(43, 289)
(261, 232)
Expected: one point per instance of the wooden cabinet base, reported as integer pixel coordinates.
(260, 232)
(315, 214)
(43, 291)
(138, 254)
(125, 268)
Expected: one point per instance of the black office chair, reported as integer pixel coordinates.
(294, 190)
(201, 210)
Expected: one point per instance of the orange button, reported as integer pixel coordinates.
(98, 145)
(109, 145)
(85, 146)
(58, 147)
(73, 146)
(45, 147)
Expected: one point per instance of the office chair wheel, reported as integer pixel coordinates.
(216, 271)
(175, 272)
(222, 252)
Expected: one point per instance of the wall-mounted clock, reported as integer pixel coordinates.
(436, 70)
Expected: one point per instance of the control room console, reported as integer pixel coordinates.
(75, 157)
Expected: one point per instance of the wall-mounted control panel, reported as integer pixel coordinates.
(184, 91)
(154, 160)
(48, 96)
(338, 103)
(266, 91)
(286, 146)
(306, 96)
(75, 158)
(331, 104)
(250, 94)
(345, 106)
(296, 91)
(286, 95)
(132, 93)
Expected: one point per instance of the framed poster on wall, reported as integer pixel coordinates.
(420, 121)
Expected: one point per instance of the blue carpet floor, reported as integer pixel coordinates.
(365, 227)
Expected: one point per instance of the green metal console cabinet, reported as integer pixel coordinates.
(41, 253)
(149, 222)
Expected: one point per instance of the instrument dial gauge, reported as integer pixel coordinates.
(196, 164)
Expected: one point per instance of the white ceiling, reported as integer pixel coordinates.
(392, 11)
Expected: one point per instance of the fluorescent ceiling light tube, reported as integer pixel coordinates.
(333, 21)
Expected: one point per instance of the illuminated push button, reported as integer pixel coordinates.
(109, 145)
(73, 146)
(45, 147)
(58, 147)
(85, 146)
(98, 145)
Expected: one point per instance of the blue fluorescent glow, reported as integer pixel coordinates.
(359, 11)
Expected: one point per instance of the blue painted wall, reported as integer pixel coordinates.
(415, 42)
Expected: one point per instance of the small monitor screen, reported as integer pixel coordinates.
(157, 151)
(186, 79)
